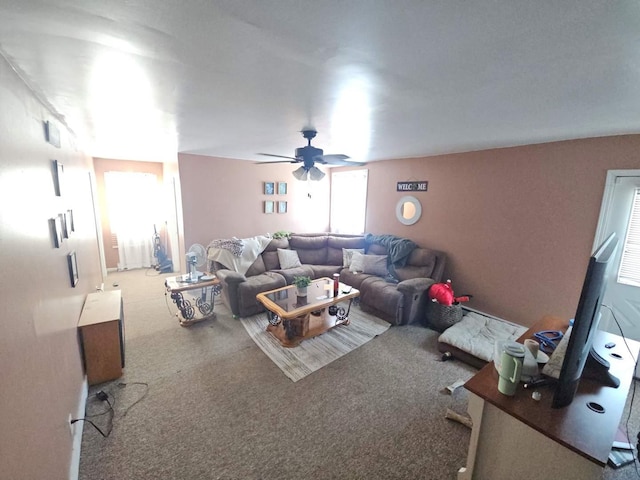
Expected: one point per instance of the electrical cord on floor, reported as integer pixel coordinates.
(146, 390)
(633, 390)
(101, 395)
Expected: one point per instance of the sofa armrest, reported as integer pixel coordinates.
(415, 297)
(415, 285)
(230, 277)
(230, 282)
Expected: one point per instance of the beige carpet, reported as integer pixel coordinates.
(315, 353)
(216, 408)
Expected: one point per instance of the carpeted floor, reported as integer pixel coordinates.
(317, 352)
(204, 402)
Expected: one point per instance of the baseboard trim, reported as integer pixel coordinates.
(77, 429)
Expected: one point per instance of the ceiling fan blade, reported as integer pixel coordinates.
(277, 161)
(334, 158)
(278, 156)
(338, 160)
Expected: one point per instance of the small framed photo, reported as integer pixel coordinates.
(55, 225)
(58, 176)
(70, 225)
(268, 206)
(282, 207)
(269, 188)
(52, 134)
(282, 188)
(65, 225)
(73, 268)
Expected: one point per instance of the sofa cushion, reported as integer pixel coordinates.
(307, 243)
(288, 258)
(256, 267)
(354, 279)
(373, 264)
(290, 273)
(325, 270)
(336, 244)
(422, 257)
(381, 298)
(377, 249)
(313, 256)
(247, 291)
(347, 254)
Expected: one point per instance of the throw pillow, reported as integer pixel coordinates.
(347, 254)
(372, 264)
(288, 258)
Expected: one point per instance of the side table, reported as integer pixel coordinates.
(194, 299)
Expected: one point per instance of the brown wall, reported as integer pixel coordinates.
(518, 224)
(223, 198)
(42, 375)
(103, 165)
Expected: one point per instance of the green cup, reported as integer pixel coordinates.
(510, 368)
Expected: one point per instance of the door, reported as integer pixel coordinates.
(622, 295)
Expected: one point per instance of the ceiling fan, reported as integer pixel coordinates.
(309, 156)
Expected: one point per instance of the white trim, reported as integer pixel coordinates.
(607, 200)
(77, 429)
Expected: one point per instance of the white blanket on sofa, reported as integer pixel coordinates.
(252, 247)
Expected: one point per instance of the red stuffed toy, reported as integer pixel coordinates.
(442, 293)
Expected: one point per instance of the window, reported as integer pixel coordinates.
(349, 201)
(629, 272)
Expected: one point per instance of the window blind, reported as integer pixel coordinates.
(629, 272)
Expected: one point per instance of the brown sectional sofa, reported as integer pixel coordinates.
(399, 301)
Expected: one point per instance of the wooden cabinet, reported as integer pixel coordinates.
(516, 436)
(101, 329)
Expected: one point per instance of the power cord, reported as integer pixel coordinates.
(104, 397)
(633, 390)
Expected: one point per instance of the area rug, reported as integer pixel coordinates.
(315, 353)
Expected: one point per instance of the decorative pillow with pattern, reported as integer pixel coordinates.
(347, 254)
(288, 258)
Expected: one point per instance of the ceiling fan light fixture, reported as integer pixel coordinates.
(316, 174)
(300, 173)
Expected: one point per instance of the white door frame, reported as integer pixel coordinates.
(607, 200)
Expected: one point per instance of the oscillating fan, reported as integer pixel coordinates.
(195, 257)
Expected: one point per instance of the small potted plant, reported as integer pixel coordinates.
(301, 283)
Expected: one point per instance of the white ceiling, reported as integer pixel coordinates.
(379, 79)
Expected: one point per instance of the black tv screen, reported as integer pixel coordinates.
(579, 348)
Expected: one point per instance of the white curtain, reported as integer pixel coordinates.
(349, 201)
(132, 200)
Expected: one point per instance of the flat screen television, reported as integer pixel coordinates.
(580, 359)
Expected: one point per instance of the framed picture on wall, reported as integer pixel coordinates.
(282, 188)
(282, 207)
(73, 268)
(65, 225)
(268, 206)
(55, 226)
(269, 188)
(58, 176)
(71, 227)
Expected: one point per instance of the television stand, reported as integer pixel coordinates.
(515, 435)
(597, 368)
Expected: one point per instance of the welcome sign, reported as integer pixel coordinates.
(420, 186)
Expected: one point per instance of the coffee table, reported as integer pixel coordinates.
(293, 319)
